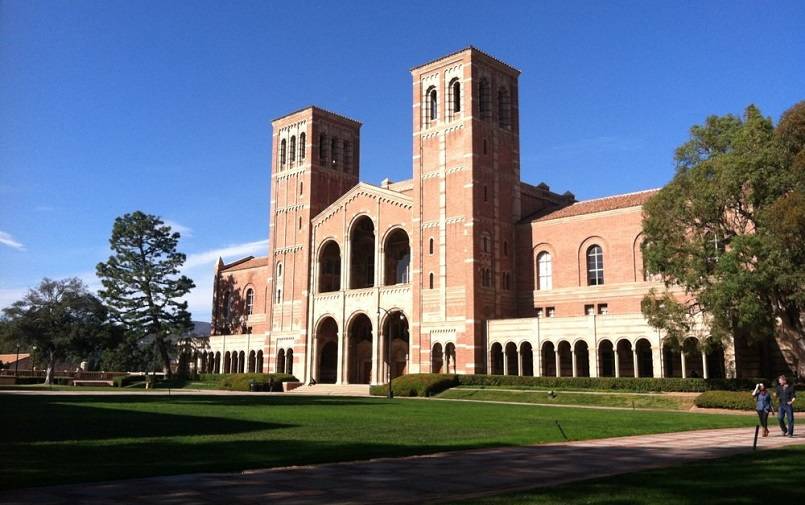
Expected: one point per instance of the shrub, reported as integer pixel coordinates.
(241, 381)
(733, 400)
(622, 383)
(122, 381)
(420, 384)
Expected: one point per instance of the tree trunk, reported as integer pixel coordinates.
(51, 364)
(791, 341)
(162, 348)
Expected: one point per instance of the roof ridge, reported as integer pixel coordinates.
(616, 196)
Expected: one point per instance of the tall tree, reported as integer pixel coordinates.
(58, 319)
(729, 230)
(142, 284)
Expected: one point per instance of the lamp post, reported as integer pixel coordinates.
(390, 393)
(17, 363)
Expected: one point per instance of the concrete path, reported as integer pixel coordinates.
(419, 479)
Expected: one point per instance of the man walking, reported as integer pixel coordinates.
(786, 396)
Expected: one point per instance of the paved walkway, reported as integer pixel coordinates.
(418, 479)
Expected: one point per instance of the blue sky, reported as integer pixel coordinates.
(108, 107)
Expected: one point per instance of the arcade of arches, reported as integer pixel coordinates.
(623, 359)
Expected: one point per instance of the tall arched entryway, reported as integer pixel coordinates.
(217, 363)
(289, 362)
(281, 361)
(581, 353)
(496, 359)
(359, 352)
(241, 362)
(715, 360)
(527, 359)
(436, 358)
(625, 359)
(511, 359)
(362, 254)
(548, 359)
(692, 354)
(227, 362)
(565, 359)
(606, 359)
(327, 351)
(252, 362)
(329, 267)
(395, 334)
(671, 360)
(645, 359)
(397, 254)
(450, 357)
(260, 361)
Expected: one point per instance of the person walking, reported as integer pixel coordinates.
(786, 396)
(763, 406)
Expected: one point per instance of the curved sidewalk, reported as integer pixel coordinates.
(418, 479)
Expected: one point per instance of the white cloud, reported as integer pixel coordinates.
(236, 250)
(7, 240)
(11, 295)
(184, 231)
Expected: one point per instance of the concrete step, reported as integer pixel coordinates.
(332, 390)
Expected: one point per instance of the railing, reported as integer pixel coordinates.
(81, 375)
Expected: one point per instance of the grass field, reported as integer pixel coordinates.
(608, 399)
(60, 439)
(763, 477)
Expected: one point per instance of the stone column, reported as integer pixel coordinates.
(520, 362)
(592, 362)
(705, 371)
(617, 363)
(558, 362)
(684, 370)
(373, 375)
(340, 362)
(573, 361)
(634, 362)
(505, 362)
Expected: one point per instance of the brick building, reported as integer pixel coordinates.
(464, 267)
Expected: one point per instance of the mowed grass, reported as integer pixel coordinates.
(764, 477)
(609, 399)
(62, 439)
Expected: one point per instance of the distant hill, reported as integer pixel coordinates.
(200, 329)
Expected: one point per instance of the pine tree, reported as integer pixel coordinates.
(142, 285)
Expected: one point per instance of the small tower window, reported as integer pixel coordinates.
(505, 248)
(279, 283)
(455, 97)
(486, 194)
(432, 104)
(293, 148)
(323, 147)
(484, 99)
(301, 188)
(302, 139)
(347, 156)
(283, 152)
(249, 301)
(430, 246)
(430, 280)
(485, 150)
(334, 152)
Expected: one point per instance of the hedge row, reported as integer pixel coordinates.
(421, 384)
(122, 381)
(733, 400)
(622, 383)
(241, 381)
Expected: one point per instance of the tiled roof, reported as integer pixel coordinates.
(246, 263)
(11, 358)
(468, 48)
(320, 110)
(600, 205)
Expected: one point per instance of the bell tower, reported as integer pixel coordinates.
(314, 160)
(466, 177)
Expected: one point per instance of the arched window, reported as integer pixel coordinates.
(430, 280)
(484, 99)
(485, 243)
(293, 148)
(249, 302)
(455, 97)
(595, 265)
(323, 147)
(505, 248)
(544, 271)
(433, 104)
(301, 187)
(226, 305)
(302, 139)
(504, 108)
(283, 151)
(430, 246)
(486, 194)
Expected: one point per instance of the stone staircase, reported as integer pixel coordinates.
(332, 390)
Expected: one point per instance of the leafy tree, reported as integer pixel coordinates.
(729, 230)
(60, 319)
(142, 284)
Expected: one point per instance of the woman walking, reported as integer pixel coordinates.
(763, 406)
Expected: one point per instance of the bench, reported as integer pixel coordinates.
(92, 383)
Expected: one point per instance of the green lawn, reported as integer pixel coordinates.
(610, 399)
(764, 477)
(59, 439)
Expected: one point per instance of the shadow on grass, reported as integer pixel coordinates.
(55, 419)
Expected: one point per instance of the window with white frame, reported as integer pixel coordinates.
(544, 271)
(595, 265)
